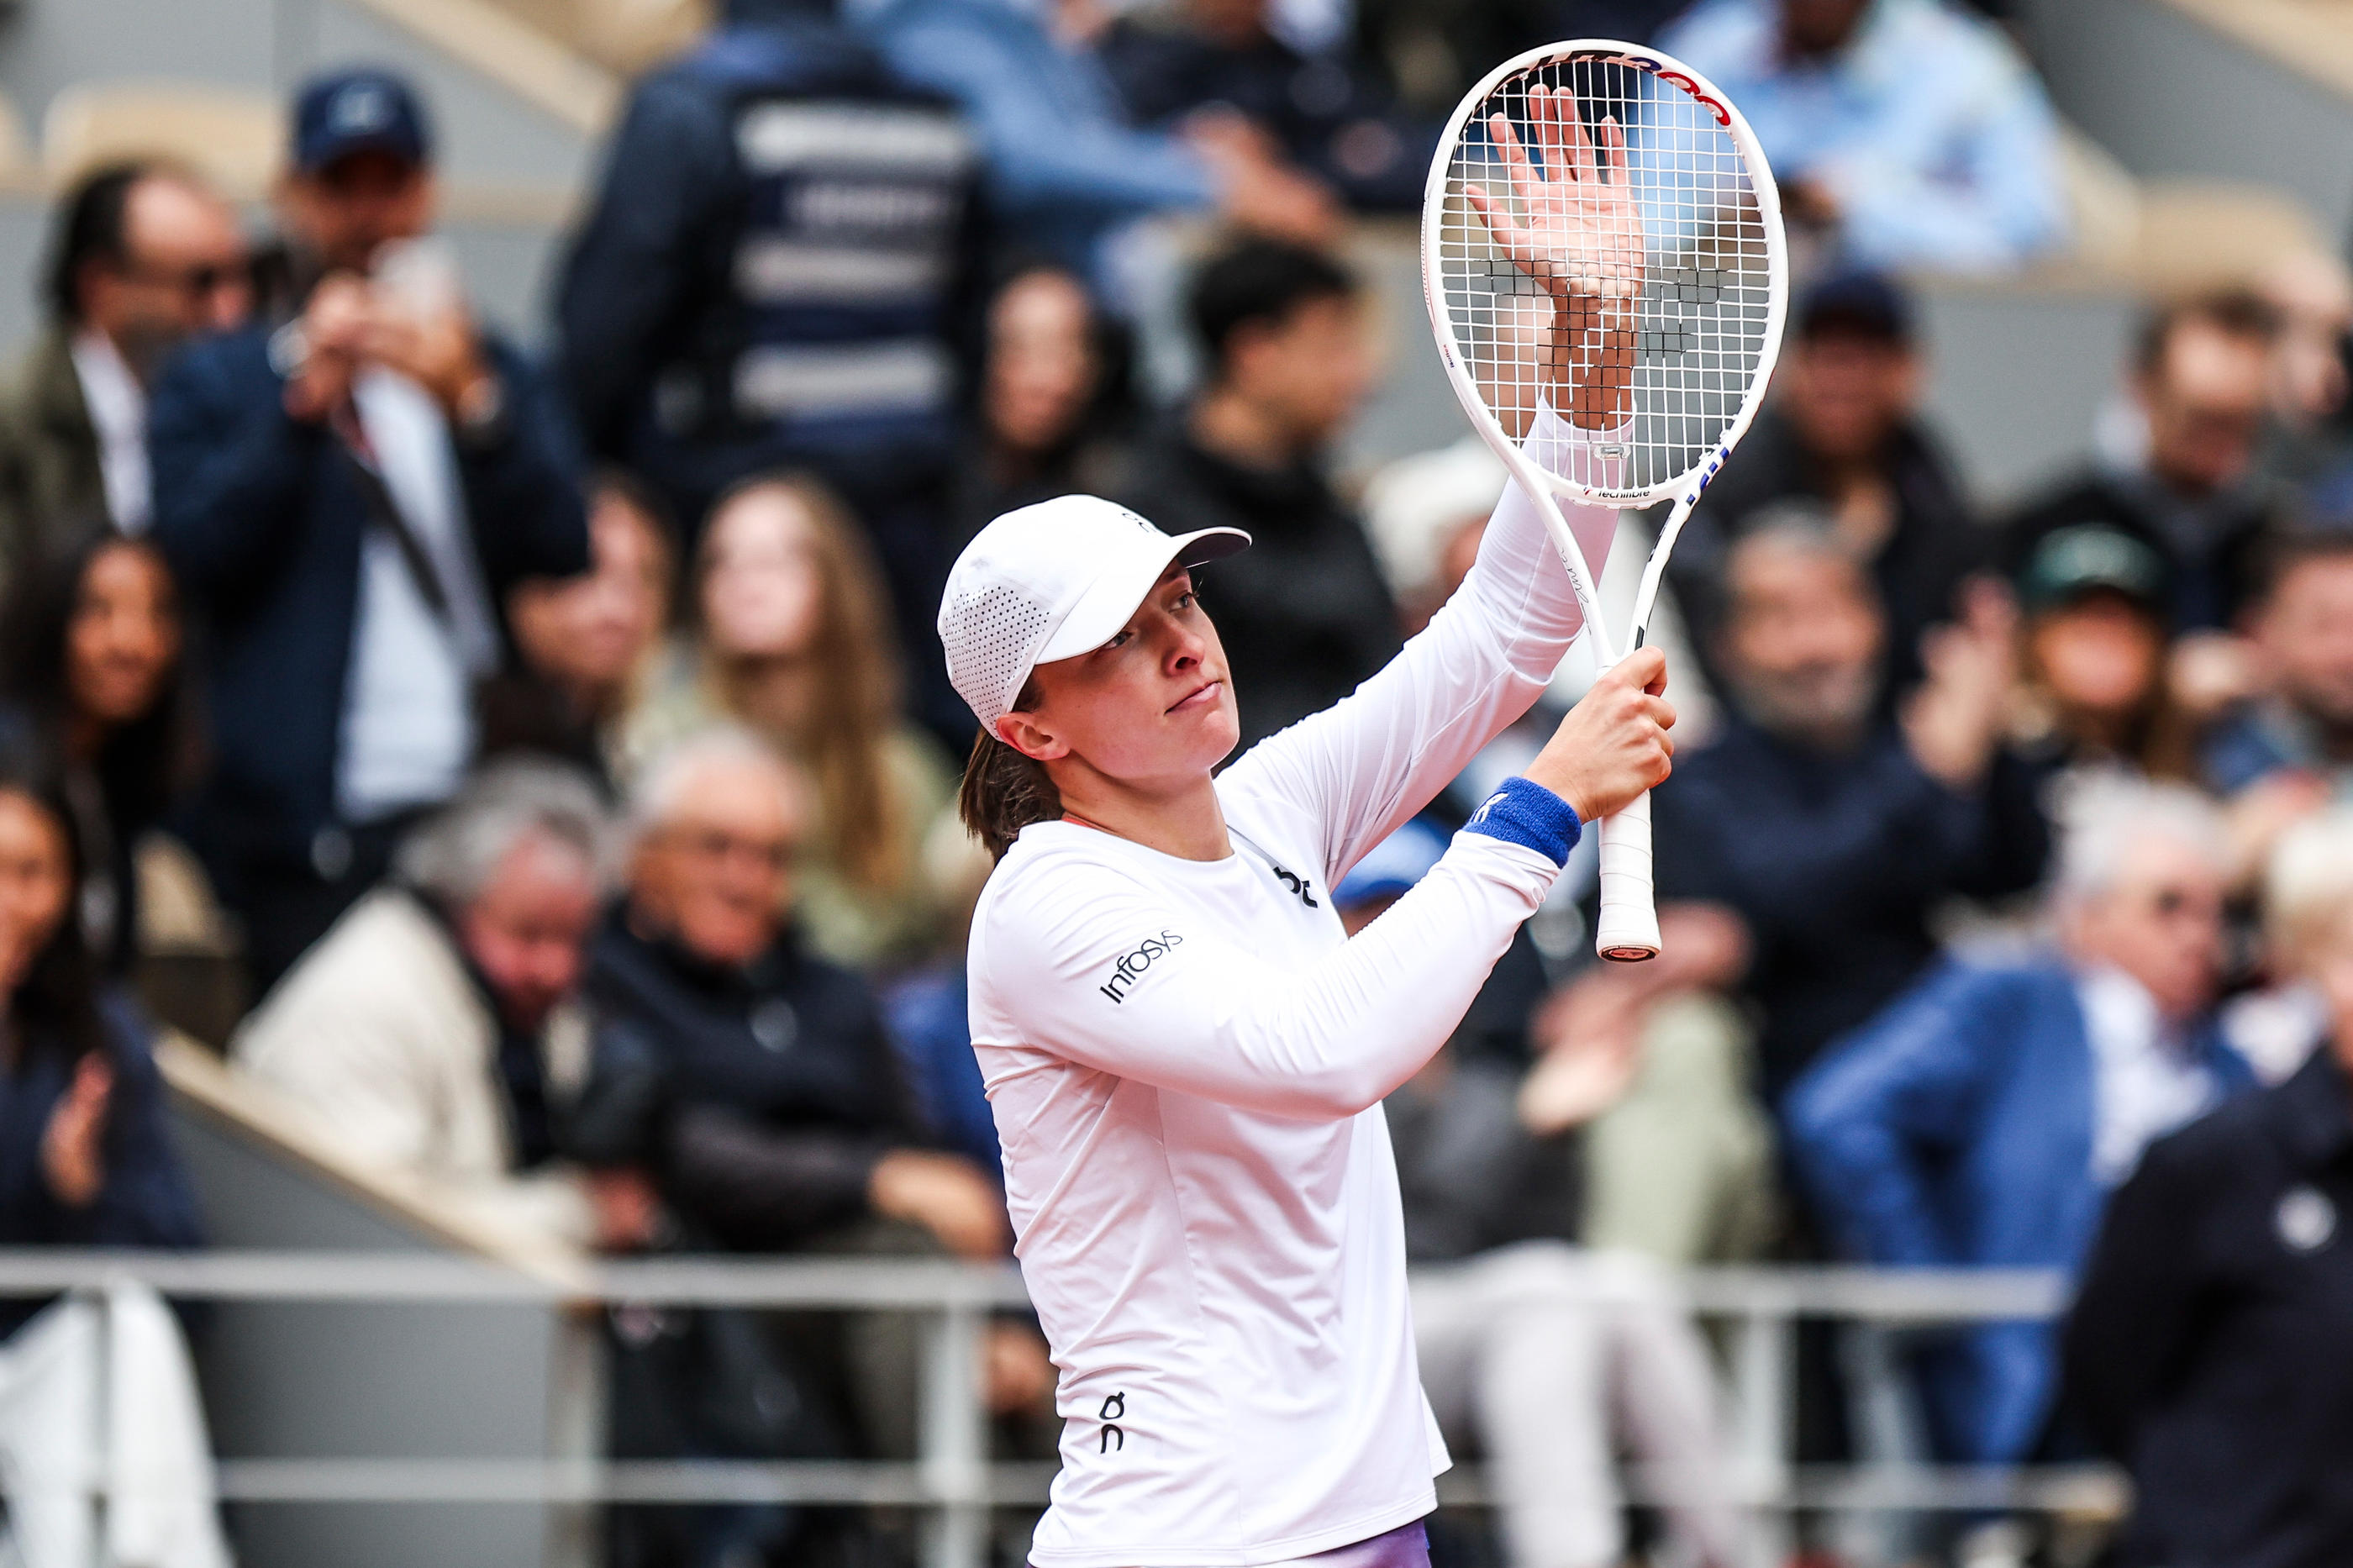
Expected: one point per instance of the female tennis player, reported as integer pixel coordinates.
(1185, 1055)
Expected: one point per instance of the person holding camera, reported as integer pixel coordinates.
(346, 491)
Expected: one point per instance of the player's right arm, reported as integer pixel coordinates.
(1088, 960)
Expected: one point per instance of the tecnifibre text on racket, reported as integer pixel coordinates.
(1601, 234)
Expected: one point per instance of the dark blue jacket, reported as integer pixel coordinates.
(1956, 1130)
(1835, 863)
(146, 1201)
(2210, 1349)
(262, 519)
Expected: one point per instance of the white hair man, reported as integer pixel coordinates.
(433, 1026)
(1985, 1116)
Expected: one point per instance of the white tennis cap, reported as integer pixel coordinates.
(1053, 581)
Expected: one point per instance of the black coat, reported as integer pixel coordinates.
(1936, 543)
(1303, 612)
(2210, 1349)
(1835, 864)
(761, 1098)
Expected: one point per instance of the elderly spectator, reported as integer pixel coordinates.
(86, 1160)
(1218, 65)
(435, 1028)
(1066, 169)
(90, 674)
(145, 257)
(796, 645)
(1845, 432)
(1532, 1351)
(2094, 691)
(1054, 401)
(347, 497)
(1904, 133)
(1832, 833)
(2182, 480)
(1305, 614)
(752, 1077)
(587, 643)
(778, 272)
(2208, 1347)
(1983, 1118)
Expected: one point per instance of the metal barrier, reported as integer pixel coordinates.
(952, 1482)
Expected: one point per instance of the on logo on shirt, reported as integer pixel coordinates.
(1132, 966)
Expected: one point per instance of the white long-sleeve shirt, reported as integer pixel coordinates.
(1186, 1061)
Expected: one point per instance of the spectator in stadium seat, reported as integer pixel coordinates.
(1066, 169)
(587, 643)
(752, 1077)
(1903, 132)
(2182, 478)
(1055, 401)
(2209, 1346)
(1539, 1354)
(145, 256)
(90, 674)
(435, 1030)
(2095, 693)
(346, 498)
(1844, 431)
(1982, 1119)
(86, 1160)
(780, 270)
(1206, 61)
(1307, 616)
(1832, 833)
(795, 645)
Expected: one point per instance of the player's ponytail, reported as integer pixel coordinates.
(1004, 791)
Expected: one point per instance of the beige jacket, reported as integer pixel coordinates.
(380, 1031)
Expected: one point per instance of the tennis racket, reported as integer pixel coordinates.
(1600, 235)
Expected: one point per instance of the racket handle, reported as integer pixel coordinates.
(1628, 928)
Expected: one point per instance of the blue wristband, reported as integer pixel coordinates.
(1524, 812)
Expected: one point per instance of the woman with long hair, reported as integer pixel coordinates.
(794, 640)
(1185, 1051)
(91, 676)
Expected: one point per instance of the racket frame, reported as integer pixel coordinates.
(1628, 928)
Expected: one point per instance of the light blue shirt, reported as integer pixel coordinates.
(1932, 136)
(1063, 164)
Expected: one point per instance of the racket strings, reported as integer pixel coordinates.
(1632, 200)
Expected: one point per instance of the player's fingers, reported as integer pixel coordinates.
(1645, 668)
(1570, 120)
(1661, 712)
(1613, 148)
(1515, 157)
(1544, 115)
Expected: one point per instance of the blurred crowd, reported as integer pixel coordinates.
(536, 770)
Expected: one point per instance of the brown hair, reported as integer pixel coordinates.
(854, 709)
(1004, 790)
(2240, 313)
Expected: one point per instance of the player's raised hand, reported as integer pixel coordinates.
(1615, 743)
(1577, 231)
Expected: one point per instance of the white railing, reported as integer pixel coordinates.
(952, 1480)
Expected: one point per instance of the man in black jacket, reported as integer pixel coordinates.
(346, 497)
(1304, 612)
(2210, 1350)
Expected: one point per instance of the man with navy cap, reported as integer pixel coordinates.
(346, 492)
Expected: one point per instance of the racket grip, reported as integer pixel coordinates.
(1627, 930)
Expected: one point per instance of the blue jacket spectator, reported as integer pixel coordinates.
(933, 1030)
(345, 501)
(270, 534)
(1064, 166)
(1907, 129)
(1832, 833)
(1982, 1119)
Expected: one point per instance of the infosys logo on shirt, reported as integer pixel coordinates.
(1132, 966)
